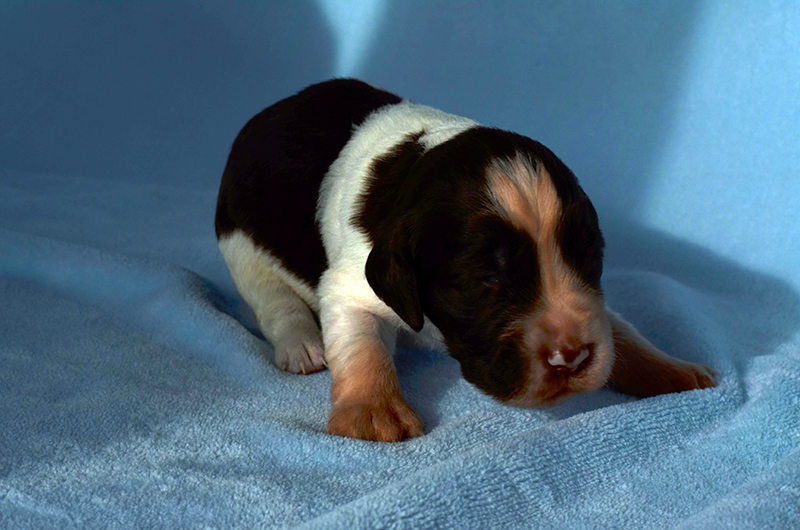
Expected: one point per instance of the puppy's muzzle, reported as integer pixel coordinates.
(569, 358)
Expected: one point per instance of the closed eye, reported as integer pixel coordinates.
(490, 279)
(498, 266)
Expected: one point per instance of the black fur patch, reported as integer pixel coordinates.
(581, 242)
(383, 214)
(271, 181)
(474, 294)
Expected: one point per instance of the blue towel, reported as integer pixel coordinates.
(137, 392)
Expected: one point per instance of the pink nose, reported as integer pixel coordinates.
(568, 356)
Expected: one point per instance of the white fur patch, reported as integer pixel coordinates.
(258, 270)
(281, 301)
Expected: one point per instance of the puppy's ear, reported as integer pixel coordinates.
(391, 275)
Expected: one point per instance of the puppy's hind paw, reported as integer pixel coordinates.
(693, 376)
(302, 354)
(680, 376)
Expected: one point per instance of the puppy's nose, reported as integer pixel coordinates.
(566, 357)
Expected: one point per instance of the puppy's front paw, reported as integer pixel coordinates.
(389, 421)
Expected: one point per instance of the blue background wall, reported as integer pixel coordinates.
(666, 110)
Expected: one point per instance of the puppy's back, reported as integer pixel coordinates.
(271, 182)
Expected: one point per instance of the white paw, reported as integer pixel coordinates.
(301, 354)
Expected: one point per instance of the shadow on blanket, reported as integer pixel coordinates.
(757, 309)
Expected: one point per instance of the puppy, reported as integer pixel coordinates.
(348, 209)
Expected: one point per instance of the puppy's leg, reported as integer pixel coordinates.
(641, 369)
(366, 398)
(283, 316)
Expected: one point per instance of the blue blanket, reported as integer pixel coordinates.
(137, 392)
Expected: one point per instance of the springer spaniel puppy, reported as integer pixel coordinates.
(347, 215)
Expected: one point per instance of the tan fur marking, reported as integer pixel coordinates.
(524, 192)
(366, 397)
(368, 374)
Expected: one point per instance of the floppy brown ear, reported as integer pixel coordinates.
(391, 275)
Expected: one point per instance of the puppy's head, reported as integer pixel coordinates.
(491, 238)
